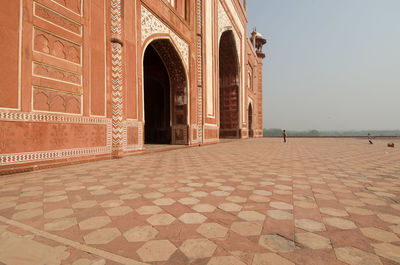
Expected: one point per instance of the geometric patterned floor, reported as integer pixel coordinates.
(254, 202)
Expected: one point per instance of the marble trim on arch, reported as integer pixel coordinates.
(152, 25)
(224, 24)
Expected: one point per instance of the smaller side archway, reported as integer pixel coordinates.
(228, 87)
(250, 121)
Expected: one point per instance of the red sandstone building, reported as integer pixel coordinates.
(85, 79)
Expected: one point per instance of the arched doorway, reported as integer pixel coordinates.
(165, 94)
(250, 121)
(228, 87)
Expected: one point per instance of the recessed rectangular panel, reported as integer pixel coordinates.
(9, 53)
(97, 87)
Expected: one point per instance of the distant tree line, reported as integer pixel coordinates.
(316, 133)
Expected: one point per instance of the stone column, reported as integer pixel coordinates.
(116, 76)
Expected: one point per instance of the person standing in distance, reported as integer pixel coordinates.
(284, 136)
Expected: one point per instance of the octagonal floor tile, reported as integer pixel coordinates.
(102, 236)
(156, 250)
(140, 233)
(198, 248)
(161, 219)
(212, 230)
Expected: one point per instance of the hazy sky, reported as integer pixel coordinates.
(331, 64)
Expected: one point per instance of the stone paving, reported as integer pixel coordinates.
(254, 202)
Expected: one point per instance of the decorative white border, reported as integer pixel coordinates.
(139, 125)
(152, 25)
(47, 155)
(15, 158)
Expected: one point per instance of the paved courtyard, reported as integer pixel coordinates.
(254, 202)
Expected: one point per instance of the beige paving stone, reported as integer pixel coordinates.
(226, 188)
(8, 198)
(283, 187)
(12, 245)
(309, 225)
(6, 205)
(102, 236)
(146, 210)
(230, 207)
(58, 213)
(100, 192)
(94, 222)
(140, 234)
(352, 202)
(276, 243)
(29, 205)
(119, 211)
(111, 203)
(156, 250)
(27, 214)
(198, 248)
(359, 211)
(192, 218)
(379, 234)
(334, 212)
(195, 184)
(280, 215)
(220, 193)
(204, 208)
(84, 204)
(311, 240)
(54, 193)
(374, 202)
(130, 196)
(305, 204)
(212, 230)
(225, 260)
(388, 251)
(395, 228)
(247, 228)
(236, 199)
(251, 216)
(366, 195)
(198, 194)
(55, 199)
(281, 205)
(186, 189)
(89, 262)
(153, 195)
(355, 256)
(161, 219)
(258, 198)
(213, 184)
(262, 192)
(188, 201)
(340, 223)
(60, 224)
(389, 218)
(283, 192)
(325, 196)
(270, 259)
(164, 201)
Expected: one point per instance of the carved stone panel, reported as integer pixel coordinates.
(152, 25)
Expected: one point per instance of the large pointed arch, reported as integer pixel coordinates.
(165, 75)
(229, 87)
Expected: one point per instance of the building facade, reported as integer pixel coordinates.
(90, 79)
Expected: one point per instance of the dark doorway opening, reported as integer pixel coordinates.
(165, 94)
(251, 134)
(228, 87)
(156, 99)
